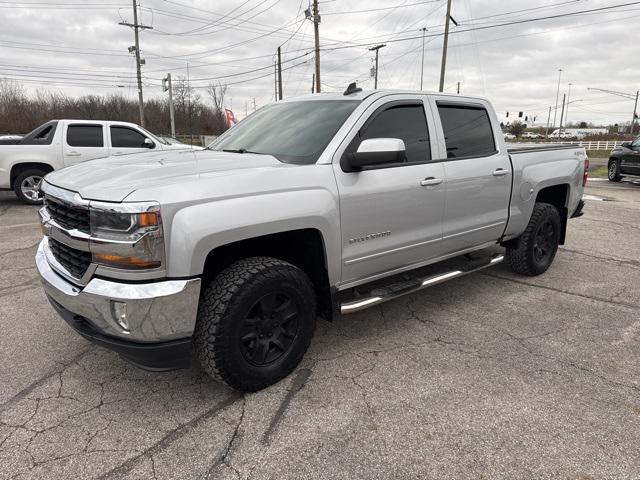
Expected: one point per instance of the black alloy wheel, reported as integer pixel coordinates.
(269, 329)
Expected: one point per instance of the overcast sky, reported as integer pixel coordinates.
(78, 47)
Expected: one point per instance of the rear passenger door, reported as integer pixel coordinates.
(126, 140)
(83, 141)
(478, 175)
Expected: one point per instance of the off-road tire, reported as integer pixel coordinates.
(17, 183)
(225, 304)
(612, 171)
(521, 257)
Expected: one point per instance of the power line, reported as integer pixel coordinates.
(382, 8)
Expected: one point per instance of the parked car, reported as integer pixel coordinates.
(320, 205)
(624, 161)
(60, 143)
(531, 135)
(509, 136)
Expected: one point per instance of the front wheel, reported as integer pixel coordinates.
(534, 251)
(613, 174)
(255, 322)
(27, 186)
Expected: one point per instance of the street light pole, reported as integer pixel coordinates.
(633, 120)
(555, 113)
(422, 63)
(566, 113)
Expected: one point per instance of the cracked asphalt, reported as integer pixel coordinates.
(488, 376)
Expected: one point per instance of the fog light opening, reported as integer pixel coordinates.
(119, 311)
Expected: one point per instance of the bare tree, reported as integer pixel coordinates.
(217, 94)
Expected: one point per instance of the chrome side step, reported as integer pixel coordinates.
(362, 303)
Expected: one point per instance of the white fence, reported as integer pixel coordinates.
(602, 145)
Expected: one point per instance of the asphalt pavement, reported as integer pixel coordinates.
(491, 376)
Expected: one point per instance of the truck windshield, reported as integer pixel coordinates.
(293, 132)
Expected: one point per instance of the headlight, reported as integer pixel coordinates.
(127, 236)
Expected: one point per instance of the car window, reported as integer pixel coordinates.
(467, 131)
(406, 122)
(85, 136)
(125, 137)
(636, 142)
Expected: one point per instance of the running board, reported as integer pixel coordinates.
(417, 285)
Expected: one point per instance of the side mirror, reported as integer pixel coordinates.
(148, 143)
(375, 151)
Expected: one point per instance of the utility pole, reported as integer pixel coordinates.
(279, 75)
(376, 49)
(313, 82)
(458, 89)
(424, 30)
(254, 104)
(316, 33)
(166, 86)
(546, 134)
(444, 47)
(564, 99)
(275, 80)
(136, 28)
(555, 112)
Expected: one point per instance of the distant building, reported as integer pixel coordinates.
(578, 132)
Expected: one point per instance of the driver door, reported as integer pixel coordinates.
(630, 159)
(126, 140)
(391, 217)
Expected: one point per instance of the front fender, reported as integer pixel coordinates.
(198, 229)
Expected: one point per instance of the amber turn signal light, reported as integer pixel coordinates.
(125, 262)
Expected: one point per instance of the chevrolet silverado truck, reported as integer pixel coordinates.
(316, 206)
(60, 143)
(624, 161)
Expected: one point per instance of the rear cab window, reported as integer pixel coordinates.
(83, 135)
(467, 130)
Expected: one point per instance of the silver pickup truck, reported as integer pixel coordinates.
(311, 207)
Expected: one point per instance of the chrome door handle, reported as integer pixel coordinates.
(430, 181)
(500, 172)
(73, 154)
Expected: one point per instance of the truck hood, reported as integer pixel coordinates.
(112, 179)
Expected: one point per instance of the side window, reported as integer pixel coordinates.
(85, 136)
(467, 131)
(406, 122)
(124, 137)
(636, 143)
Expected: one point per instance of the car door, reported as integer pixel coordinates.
(126, 140)
(478, 175)
(83, 141)
(630, 159)
(390, 215)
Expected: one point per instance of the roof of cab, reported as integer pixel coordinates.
(363, 94)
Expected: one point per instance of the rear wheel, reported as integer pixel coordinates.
(534, 251)
(255, 322)
(613, 174)
(27, 186)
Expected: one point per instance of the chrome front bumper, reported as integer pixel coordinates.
(155, 312)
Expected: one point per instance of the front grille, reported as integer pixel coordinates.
(76, 261)
(67, 215)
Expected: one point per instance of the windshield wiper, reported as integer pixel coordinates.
(238, 150)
